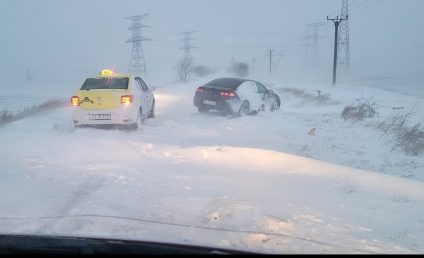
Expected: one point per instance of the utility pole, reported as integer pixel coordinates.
(343, 40)
(137, 61)
(85, 62)
(270, 61)
(253, 65)
(337, 22)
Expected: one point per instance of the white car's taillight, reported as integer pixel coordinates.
(75, 101)
(127, 99)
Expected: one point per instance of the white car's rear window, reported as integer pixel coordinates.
(105, 83)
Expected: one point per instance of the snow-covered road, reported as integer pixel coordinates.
(208, 179)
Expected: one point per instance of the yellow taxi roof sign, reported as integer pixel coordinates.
(106, 72)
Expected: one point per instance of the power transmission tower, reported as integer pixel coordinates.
(137, 61)
(306, 39)
(314, 36)
(187, 44)
(187, 61)
(270, 61)
(28, 75)
(343, 40)
(277, 62)
(312, 41)
(337, 21)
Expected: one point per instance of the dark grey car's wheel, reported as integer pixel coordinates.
(276, 105)
(245, 108)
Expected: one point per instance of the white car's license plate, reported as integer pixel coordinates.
(100, 117)
(207, 102)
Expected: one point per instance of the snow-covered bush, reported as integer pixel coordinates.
(364, 108)
(184, 69)
(320, 98)
(409, 139)
(8, 116)
(5, 117)
(240, 69)
(202, 70)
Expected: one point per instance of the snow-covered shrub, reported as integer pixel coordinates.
(36, 109)
(308, 97)
(364, 108)
(202, 70)
(409, 139)
(184, 69)
(5, 116)
(240, 69)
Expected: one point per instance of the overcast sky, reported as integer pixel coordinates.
(69, 38)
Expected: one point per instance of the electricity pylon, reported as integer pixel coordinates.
(137, 60)
(343, 40)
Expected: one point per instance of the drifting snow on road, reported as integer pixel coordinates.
(214, 179)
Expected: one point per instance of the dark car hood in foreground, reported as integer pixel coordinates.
(21, 244)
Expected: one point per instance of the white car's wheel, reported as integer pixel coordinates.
(152, 111)
(140, 119)
(139, 122)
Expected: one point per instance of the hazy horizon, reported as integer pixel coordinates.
(72, 39)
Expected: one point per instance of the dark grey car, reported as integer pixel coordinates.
(235, 96)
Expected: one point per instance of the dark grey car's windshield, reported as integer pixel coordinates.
(105, 83)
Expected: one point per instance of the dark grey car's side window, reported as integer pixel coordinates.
(261, 88)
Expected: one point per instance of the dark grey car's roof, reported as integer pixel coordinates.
(225, 83)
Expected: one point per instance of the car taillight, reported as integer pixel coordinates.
(227, 94)
(200, 90)
(75, 101)
(127, 99)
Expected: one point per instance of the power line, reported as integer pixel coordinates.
(366, 6)
(355, 5)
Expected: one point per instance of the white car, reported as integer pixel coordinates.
(113, 99)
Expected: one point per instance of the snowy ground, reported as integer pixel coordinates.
(208, 179)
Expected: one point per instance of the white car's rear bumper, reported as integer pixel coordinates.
(125, 115)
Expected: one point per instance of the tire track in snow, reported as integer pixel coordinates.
(81, 193)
